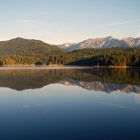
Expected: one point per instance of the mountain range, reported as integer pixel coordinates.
(99, 43)
(21, 46)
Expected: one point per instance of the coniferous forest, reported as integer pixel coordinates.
(84, 57)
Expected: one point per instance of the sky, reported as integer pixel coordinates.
(60, 21)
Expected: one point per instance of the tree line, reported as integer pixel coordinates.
(85, 57)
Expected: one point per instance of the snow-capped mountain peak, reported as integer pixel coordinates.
(99, 43)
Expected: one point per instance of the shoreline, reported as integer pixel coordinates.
(62, 66)
(30, 67)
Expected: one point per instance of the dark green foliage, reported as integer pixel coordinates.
(38, 63)
(108, 57)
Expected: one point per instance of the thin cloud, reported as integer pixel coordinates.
(116, 24)
(32, 22)
(26, 21)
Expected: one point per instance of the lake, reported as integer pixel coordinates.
(69, 104)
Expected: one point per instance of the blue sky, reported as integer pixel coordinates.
(59, 21)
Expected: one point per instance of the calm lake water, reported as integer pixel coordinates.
(69, 104)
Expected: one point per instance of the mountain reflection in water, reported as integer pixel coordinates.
(98, 79)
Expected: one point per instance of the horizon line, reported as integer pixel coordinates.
(119, 38)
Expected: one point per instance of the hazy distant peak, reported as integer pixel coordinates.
(133, 42)
(109, 37)
(66, 45)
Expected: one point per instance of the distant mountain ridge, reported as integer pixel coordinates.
(133, 42)
(98, 43)
(21, 46)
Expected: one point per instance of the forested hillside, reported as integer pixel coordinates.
(34, 52)
(26, 47)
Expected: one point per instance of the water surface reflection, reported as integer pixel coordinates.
(103, 79)
(70, 104)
